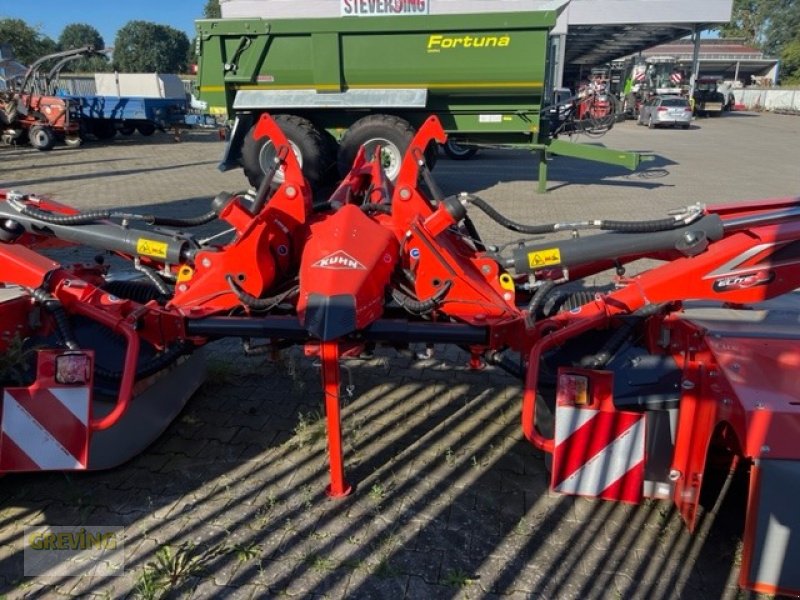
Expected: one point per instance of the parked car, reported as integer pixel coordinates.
(666, 110)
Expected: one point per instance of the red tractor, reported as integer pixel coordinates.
(655, 383)
(31, 108)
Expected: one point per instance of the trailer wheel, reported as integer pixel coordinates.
(127, 128)
(306, 142)
(391, 133)
(456, 151)
(42, 137)
(103, 130)
(146, 129)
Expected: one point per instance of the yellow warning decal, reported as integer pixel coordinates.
(544, 258)
(152, 248)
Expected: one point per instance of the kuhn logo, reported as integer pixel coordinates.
(743, 281)
(340, 261)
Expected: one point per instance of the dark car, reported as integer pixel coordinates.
(666, 110)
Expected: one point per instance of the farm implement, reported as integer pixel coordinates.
(650, 386)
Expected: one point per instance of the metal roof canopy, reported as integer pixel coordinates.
(598, 31)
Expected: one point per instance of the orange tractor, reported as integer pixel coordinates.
(30, 107)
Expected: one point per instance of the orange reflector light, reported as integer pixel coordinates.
(73, 368)
(573, 389)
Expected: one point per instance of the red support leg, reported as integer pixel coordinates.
(338, 487)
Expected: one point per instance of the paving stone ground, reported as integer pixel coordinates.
(449, 501)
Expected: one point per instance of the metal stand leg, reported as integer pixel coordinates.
(338, 487)
(542, 171)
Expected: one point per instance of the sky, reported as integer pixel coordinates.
(107, 16)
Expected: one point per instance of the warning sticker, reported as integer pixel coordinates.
(544, 258)
(152, 248)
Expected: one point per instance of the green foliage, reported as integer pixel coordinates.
(78, 35)
(790, 63)
(212, 10)
(28, 43)
(748, 22)
(142, 46)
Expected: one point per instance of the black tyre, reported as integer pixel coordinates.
(103, 130)
(391, 133)
(330, 173)
(127, 128)
(456, 151)
(41, 137)
(145, 128)
(306, 142)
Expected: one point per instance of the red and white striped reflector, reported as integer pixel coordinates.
(599, 451)
(45, 426)
(676, 78)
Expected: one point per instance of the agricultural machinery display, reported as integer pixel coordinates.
(651, 383)
(32, 109)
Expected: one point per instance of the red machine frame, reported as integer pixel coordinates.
(383, 261)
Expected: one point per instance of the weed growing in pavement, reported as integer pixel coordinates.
(458, 579)
(309, 430)
(321, 564)
(377, 492)
(173, 566)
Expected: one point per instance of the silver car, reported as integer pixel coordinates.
(666, 110)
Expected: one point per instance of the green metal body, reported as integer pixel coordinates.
(483, 75)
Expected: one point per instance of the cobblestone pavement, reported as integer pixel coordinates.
(450, 502)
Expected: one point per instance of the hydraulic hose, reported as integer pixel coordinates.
(415, 306)
(538, 299)
(255, 303)
(83, 218)
(652, 226)
(53, 305)
(615, 341)
(186, 222)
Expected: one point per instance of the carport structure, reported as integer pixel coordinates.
(595, 32)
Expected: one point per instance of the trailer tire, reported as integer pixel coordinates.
(306, 142)
(392, 133)
(41, 137)
(127, 128)
(146, 129)
(103, 130)
(456, 151)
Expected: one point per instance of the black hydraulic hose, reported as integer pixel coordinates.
(538, 299)
(185, 222)
(421, 306)
(155, 280)
(640, 226)
(508, 223)
(614, 343)
(53, 305)
(376, 208)
(258, 303)
(83, 218)
(653, 226)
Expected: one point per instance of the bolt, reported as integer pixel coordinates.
(182, 287)
(765, 449)
(675, 475)
(759, 406)
(687, 385)
(486, 269)
(405, 194)
(727, 401)
(206, 262)
(291, 191)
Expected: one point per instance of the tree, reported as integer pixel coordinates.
(142, 46)
(78, 35)
(212, 10)
(790, 63)
(27, 43)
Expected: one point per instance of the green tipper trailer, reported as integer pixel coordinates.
(337, 83)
